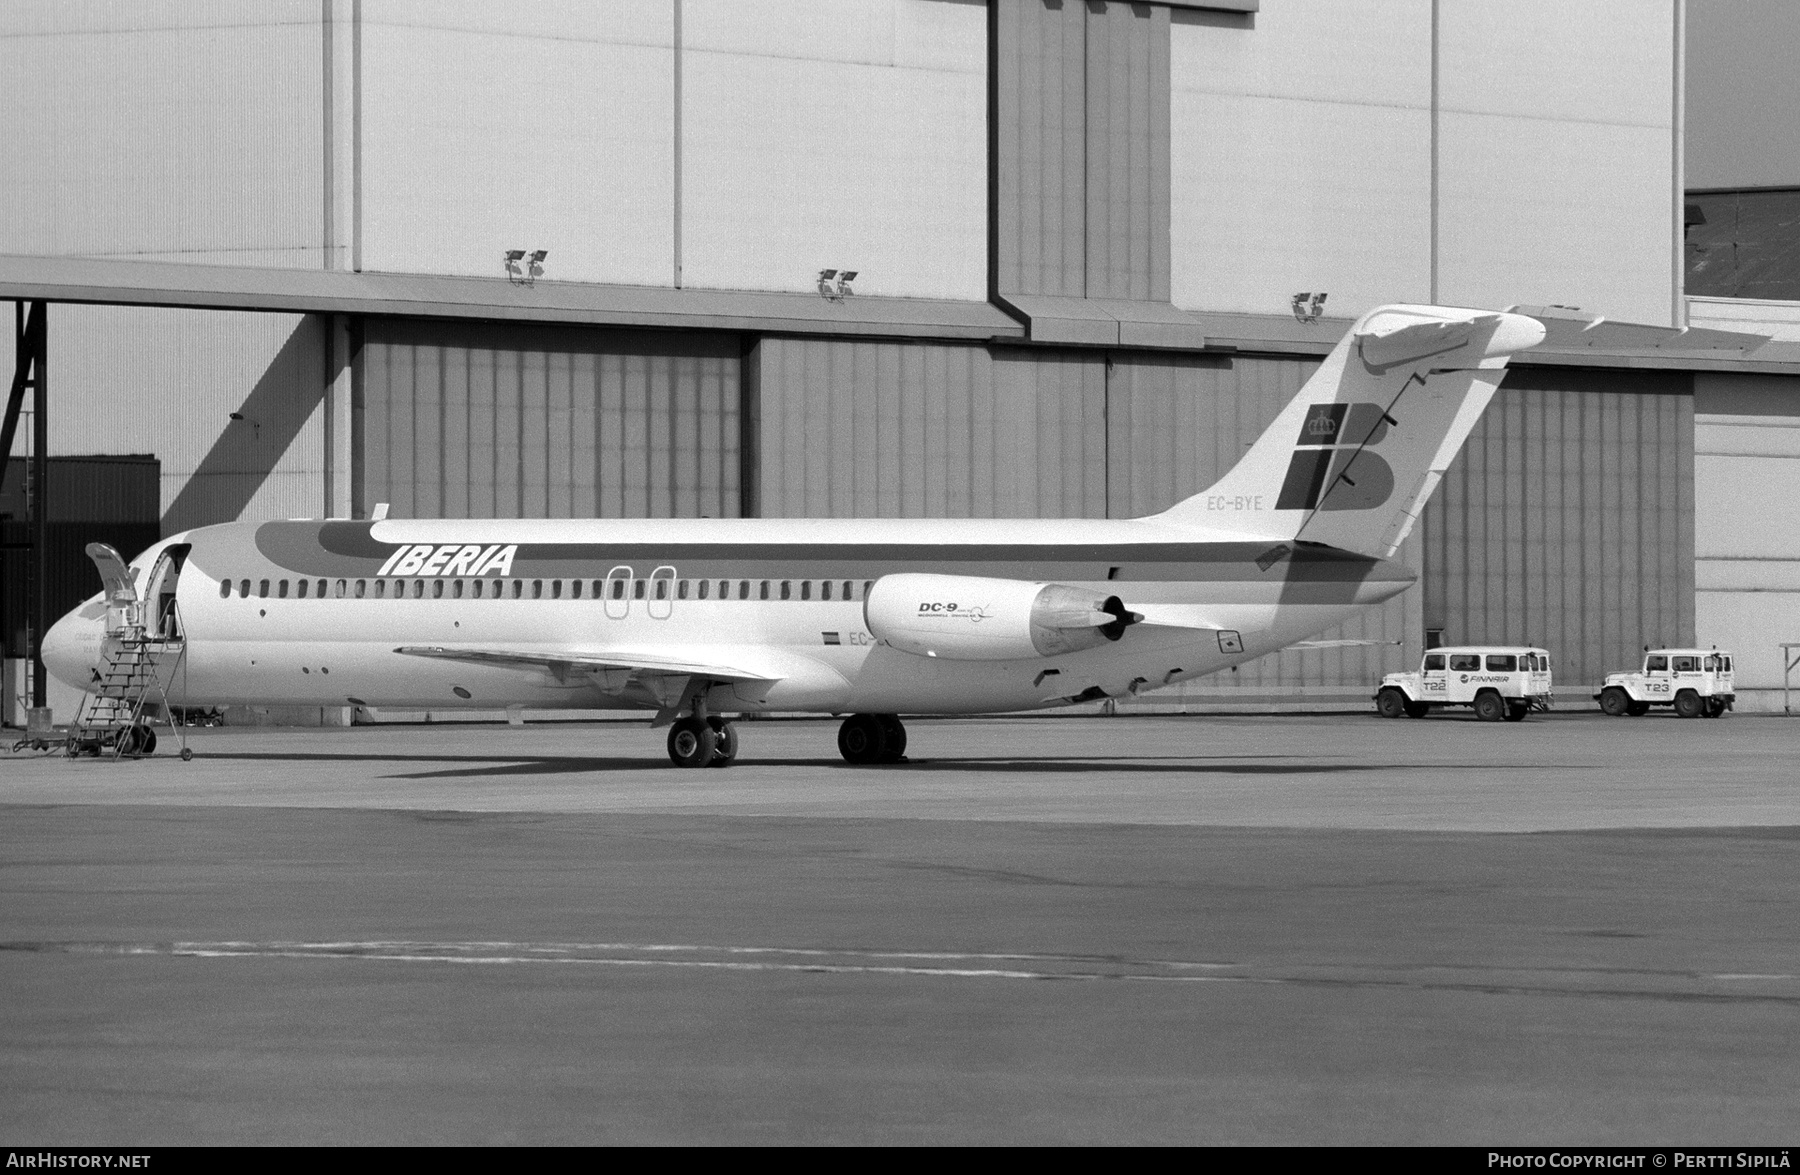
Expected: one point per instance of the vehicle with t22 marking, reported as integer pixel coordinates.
(1498, 681)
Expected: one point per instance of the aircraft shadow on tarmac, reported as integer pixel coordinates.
(1059, 764)
(1012, 764)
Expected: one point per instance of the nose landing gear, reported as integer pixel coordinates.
(872, 738)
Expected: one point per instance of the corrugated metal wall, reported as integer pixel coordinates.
(466, 421)
(163, 129)
(1567, 520)
(1082, 149)
(904, 430)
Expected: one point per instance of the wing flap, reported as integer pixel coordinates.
(637, 664)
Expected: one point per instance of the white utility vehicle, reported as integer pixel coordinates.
(1499, 681)
(1697, 682)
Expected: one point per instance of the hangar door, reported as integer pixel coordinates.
(1568, 521)
(494, 421)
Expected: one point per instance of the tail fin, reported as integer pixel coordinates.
(1353, 459)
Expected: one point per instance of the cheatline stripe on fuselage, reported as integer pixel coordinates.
(346, 549)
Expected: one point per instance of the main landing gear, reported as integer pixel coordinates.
(697, 741)
(872, 738)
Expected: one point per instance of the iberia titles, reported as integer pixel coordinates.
(450, 559)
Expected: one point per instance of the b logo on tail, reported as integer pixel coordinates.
(1356, 478)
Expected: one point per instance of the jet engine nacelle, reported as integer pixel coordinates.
(969, 618)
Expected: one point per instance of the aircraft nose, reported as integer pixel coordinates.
(72, 649)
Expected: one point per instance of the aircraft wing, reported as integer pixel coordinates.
(635, 664)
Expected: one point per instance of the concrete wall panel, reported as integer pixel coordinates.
(844, 135)
(1289, 178)
(493, 127)
(1557, 156)
(169, 130)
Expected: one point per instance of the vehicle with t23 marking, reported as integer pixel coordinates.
(702, 619)
(1497, 681)
(1697, 683)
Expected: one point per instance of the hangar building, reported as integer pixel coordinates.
(270, 239)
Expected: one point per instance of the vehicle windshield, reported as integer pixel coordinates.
(1502, 662)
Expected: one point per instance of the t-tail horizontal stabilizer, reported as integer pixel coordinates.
(1352, 460)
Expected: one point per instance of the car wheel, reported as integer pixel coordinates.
(1489, 707)
(1688, 704)
(1615, 701)
(1390, 703)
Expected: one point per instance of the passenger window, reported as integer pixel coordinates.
(281, 590)
(1656, 665)
(362, 587)
(724, 589)
(556, 589)
(340, 589)
(244, 588)
(787, 589)
(705, 586)
(847, 586)
(574, 589)
(763, 592)
(300, 587)
(1502, 662)
(456, 589)
(437, 589)
(418, 591)
(637, 589)
(1434, 661)
(681, 590)
(806, 589)
(662, 589)
(381, 589)
(867, 585)
(597, 592)
(537, 589)
(224, 589)
(262, 589)
(743, 589)
(825, 589)
(1465, 662)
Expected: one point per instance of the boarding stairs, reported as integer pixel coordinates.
(130, 685)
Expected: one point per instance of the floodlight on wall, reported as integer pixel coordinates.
(535, 265)
(1307, 307)
(513, 273)
(836, 290)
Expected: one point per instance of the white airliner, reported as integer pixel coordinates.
(708, 618)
